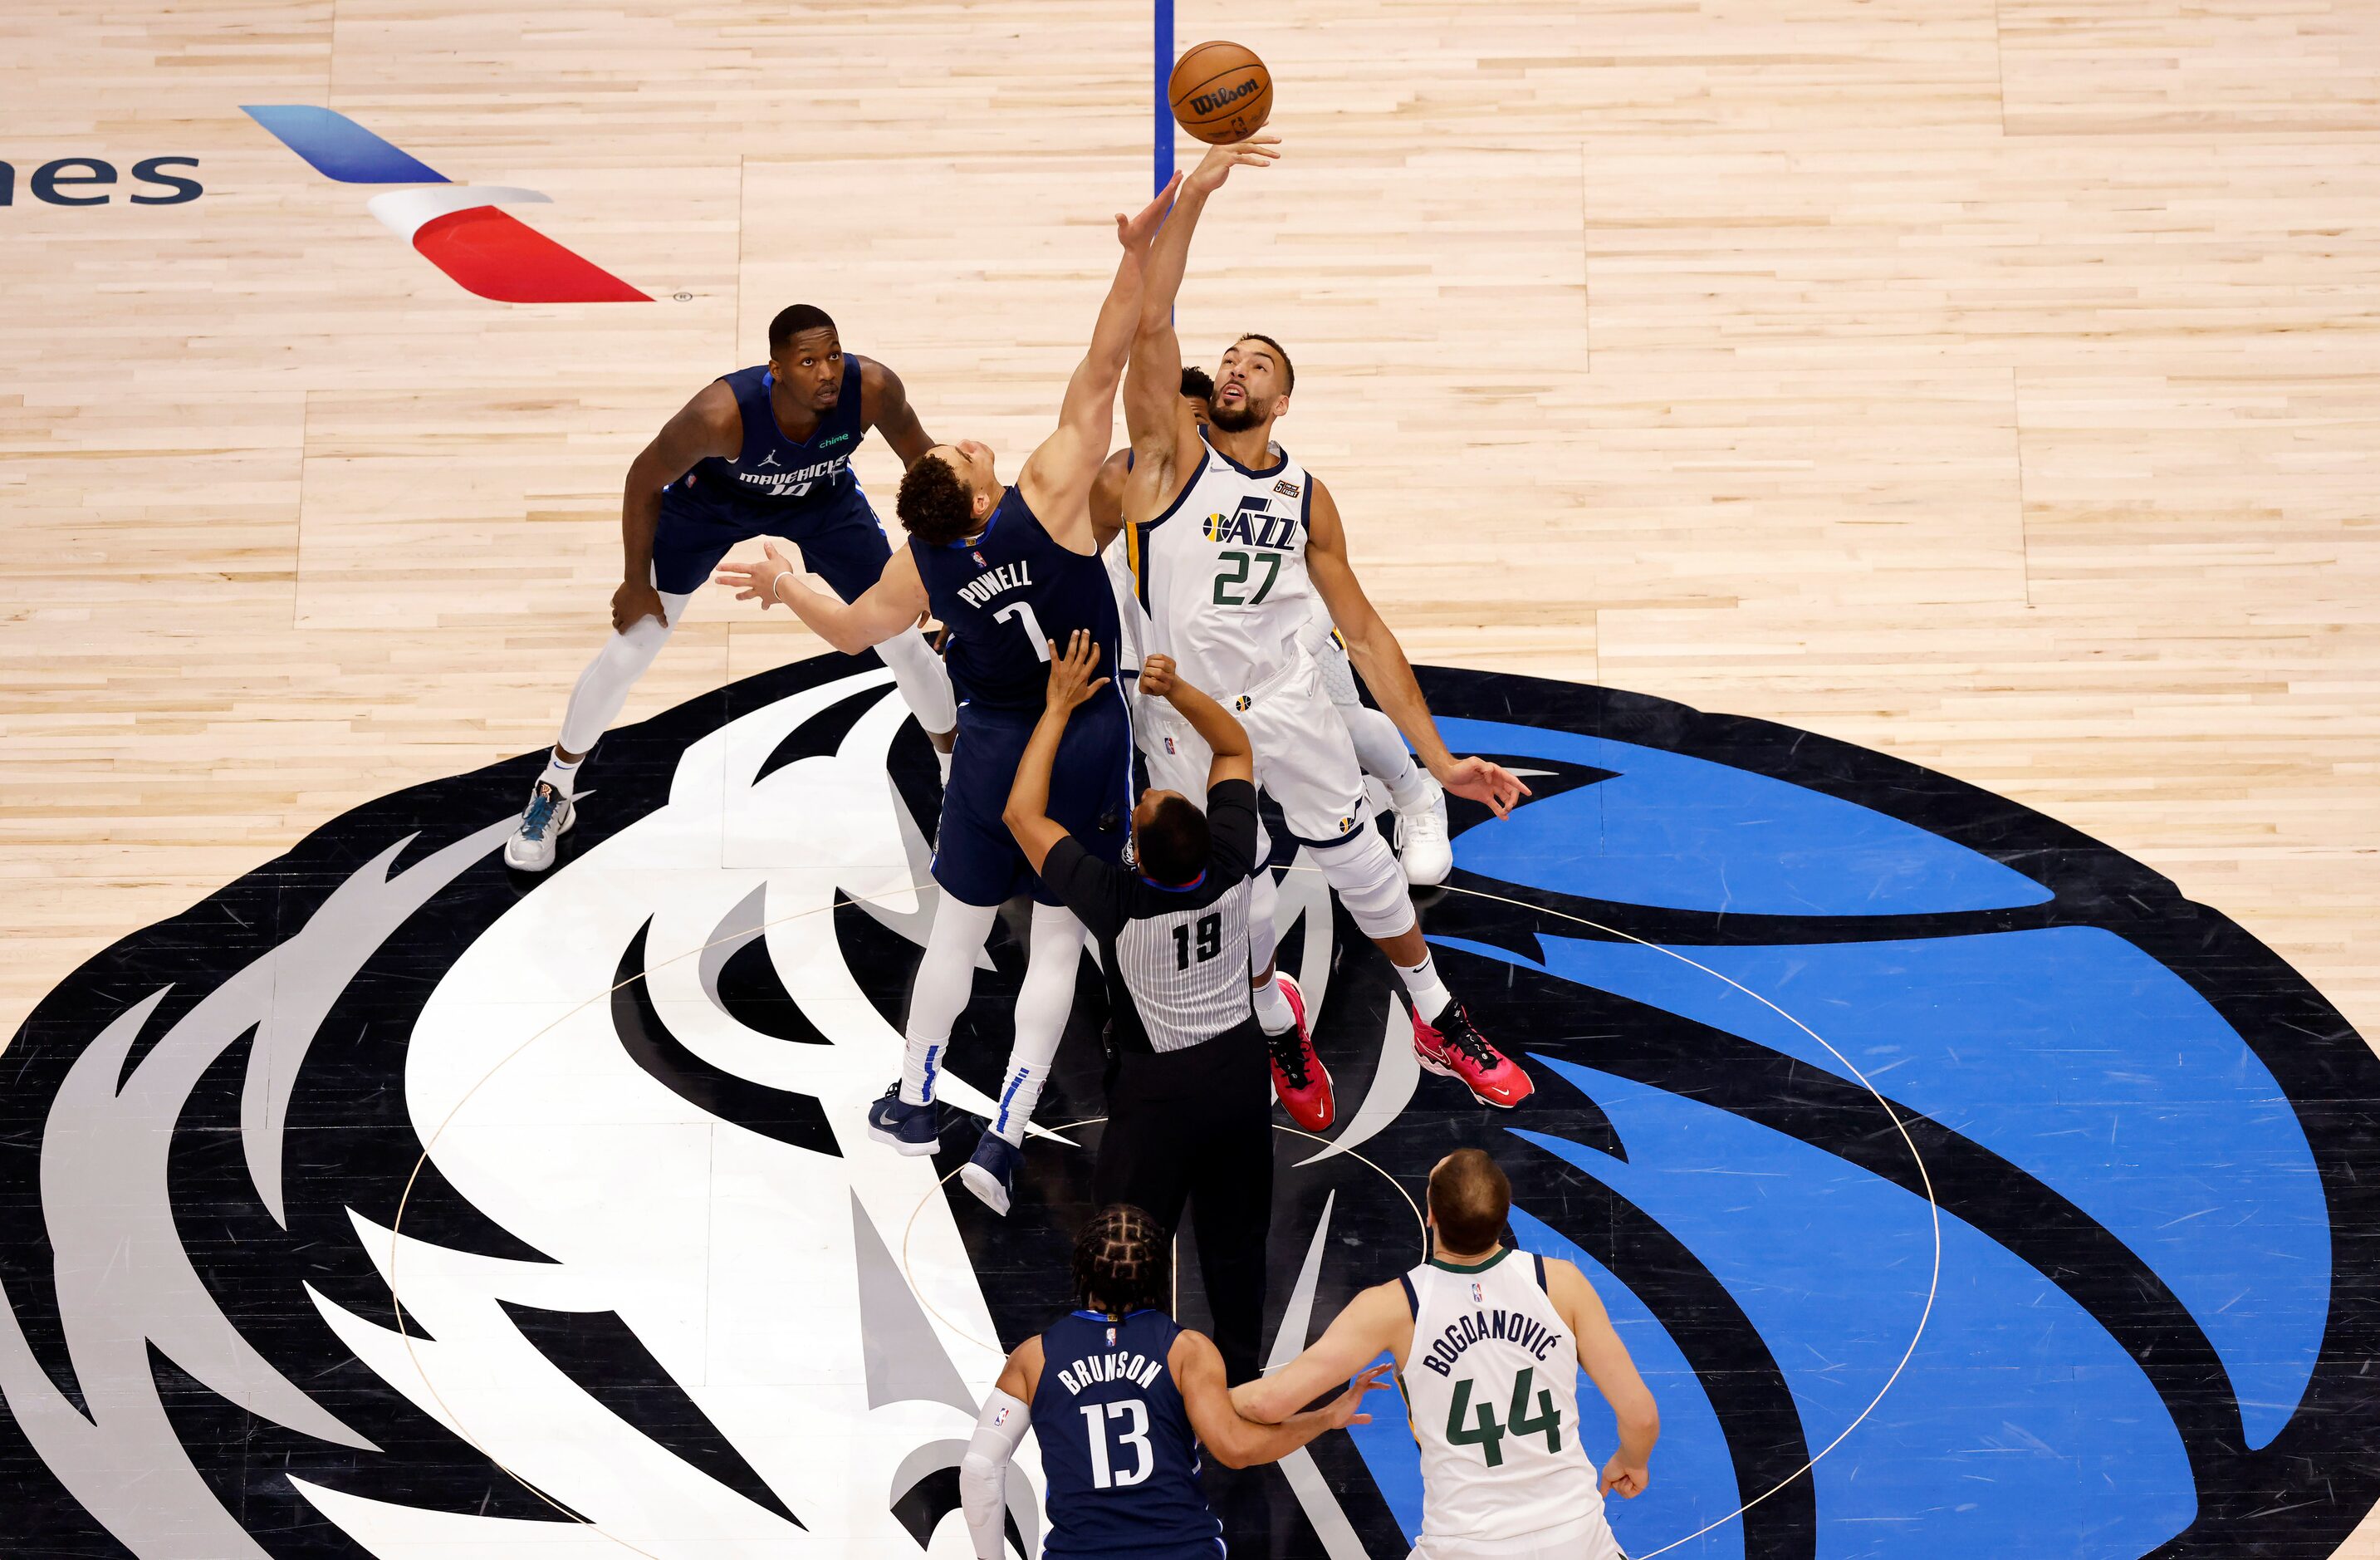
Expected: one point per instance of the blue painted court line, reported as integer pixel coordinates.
(1162, 163)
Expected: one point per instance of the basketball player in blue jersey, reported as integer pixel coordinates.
(1230, 539)
(1008, 569)
(762, 451)
(1123, 1398)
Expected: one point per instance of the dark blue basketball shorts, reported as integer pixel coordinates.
(976, 860)
(842, 542)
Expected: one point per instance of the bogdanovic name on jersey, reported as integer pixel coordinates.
(1132, 1366)
(1503, 1326)
(1007, 577)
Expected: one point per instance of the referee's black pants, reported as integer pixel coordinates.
(1196, 1124)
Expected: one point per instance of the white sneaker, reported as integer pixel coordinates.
(1422, 841)
(544, 821)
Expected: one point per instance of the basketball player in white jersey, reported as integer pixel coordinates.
(1229, 539)
(1488, 1342)
(1418, 801)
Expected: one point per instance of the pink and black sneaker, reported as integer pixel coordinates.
(1454, 1047)
(1299, 1079)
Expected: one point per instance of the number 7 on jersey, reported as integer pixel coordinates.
(1021, 614)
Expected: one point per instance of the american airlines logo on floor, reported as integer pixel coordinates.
(460, 228)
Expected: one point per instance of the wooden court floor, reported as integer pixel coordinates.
(1992, 385)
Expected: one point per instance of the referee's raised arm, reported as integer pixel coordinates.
(1215, 727)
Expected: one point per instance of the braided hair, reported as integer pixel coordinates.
(1125, 1257)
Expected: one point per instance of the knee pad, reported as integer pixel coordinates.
(1370, 884)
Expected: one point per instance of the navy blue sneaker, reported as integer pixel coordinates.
(909, 1129)
(992, 1172)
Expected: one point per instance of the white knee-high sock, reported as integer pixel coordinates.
(924, 682)
(604, 687)
(1042, 1004)
(1380, 748)
(945, 976)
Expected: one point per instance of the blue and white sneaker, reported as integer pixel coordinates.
(992, 1173)
(909, 1129)
(544, 821)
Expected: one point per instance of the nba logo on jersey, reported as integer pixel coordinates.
(1110, 1337)
(978, 559)
(1478, 1295)
(1169, 746)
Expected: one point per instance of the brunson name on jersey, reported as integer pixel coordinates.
(1136, 1368)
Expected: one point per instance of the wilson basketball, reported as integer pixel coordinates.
(1221, 93)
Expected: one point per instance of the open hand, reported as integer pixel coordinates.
(1139, 232)
(1217, 165)
(1484, 781)
(1157, 676)
(1627, 1479)
(1070, 675)
(1343, 1410)
(757, 580)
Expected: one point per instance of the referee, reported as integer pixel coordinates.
(1189, 1084)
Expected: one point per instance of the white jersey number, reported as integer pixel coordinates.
(1144, 1458)
(1021, 614)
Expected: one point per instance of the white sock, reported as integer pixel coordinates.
(562, 777)
(921, 1068)
(945, 976)
(1273, 1013)
(1429, 994)
(1380, 748)
(1043, 1002)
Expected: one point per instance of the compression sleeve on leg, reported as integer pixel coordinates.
(1380, 748)
(945, 976)
(1043, 1002)
(983, 1472)
(924, 682)
(604, 687)
(1264, 911)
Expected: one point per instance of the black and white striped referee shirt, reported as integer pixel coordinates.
(1176, 955)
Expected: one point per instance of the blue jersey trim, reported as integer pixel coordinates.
(1190, 887)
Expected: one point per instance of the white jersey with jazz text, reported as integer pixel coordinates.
(1492, 1385)
(1221, 574)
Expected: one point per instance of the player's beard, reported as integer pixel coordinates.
(1235, 418)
